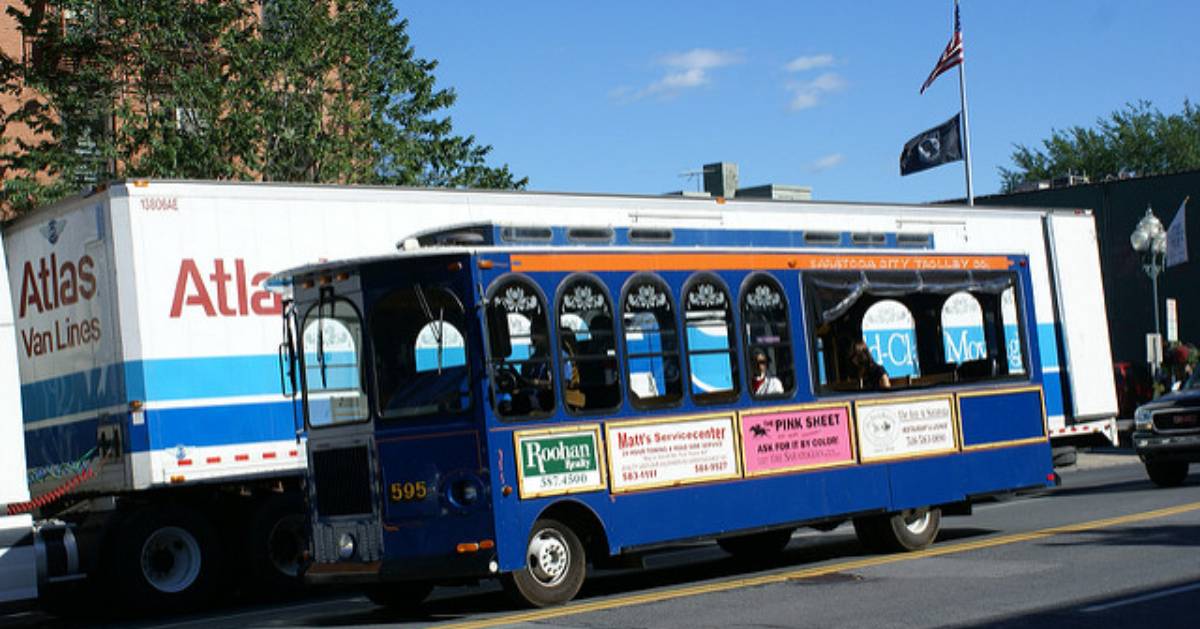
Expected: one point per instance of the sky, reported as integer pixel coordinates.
(629, 97)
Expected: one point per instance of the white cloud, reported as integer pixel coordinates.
(810, 62)
(807, 94)
(825, 163)
(685, 70)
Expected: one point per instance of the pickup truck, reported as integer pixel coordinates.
(1166, 433)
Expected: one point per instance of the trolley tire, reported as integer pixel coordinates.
(911, 529)
(399, 596)
(164, 559)
(1167, 473)
(555, 566)
(276, 544)
(756, 545)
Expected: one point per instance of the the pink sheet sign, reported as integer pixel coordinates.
(794, 439)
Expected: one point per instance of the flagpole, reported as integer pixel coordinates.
(966, 139)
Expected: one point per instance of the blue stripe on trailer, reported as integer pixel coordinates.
(1048, 344)
(59, 446)
(219, 425)
(150, 380)
(222, 376)
(73, 393)
(1052, 378)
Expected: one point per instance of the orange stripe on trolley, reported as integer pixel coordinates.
(530, 262)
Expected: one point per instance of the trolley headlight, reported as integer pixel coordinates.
(1143, 420)
(345, 546)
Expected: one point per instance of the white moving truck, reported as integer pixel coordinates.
(155, 417)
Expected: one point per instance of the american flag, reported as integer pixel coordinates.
(951, 56)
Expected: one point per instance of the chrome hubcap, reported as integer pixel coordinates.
(549, 557)
(916, 521)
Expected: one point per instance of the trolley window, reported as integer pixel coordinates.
(651, 342)
(519, 338)
(420, 354)
(587, 346)
(901, 329)
(711, 348)
(332, 341)
(768, 338)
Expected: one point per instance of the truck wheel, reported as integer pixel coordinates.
(1064, 456)
(399, 596)
(1167, 473)
(278, 538)
(165, 559)
(911, 529)
(554, 567)
(756, 545)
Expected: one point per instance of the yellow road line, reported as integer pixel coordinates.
(858, 564)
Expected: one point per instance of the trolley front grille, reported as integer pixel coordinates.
(342, 480)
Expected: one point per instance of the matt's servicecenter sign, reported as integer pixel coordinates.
(644, 455)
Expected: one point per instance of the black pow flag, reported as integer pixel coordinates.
(933, 147)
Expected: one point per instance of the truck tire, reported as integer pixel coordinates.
(756, 545)
(911, 529)
(1167, 473)
(1064, 456)
(555, 566)
(164, 559)
(276, 543)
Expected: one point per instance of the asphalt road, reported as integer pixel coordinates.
(1105, 549)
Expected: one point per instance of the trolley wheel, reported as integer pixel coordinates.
(164, 559)
(911, 529)
(555, 566)
(756, 545)
(400, 596)
(278, 538)
(1167, 473)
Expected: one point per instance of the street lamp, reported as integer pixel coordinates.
(1150, 239)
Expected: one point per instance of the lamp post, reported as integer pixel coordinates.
(1150, 240)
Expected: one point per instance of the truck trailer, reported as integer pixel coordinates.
(161, 437)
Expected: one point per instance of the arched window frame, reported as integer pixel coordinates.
(614, 314)
(669, 399)
(500, 283)
(731, 325)
(361, 352)
(745, 295)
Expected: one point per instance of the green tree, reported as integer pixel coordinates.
(325, 91)
(1137, 138)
